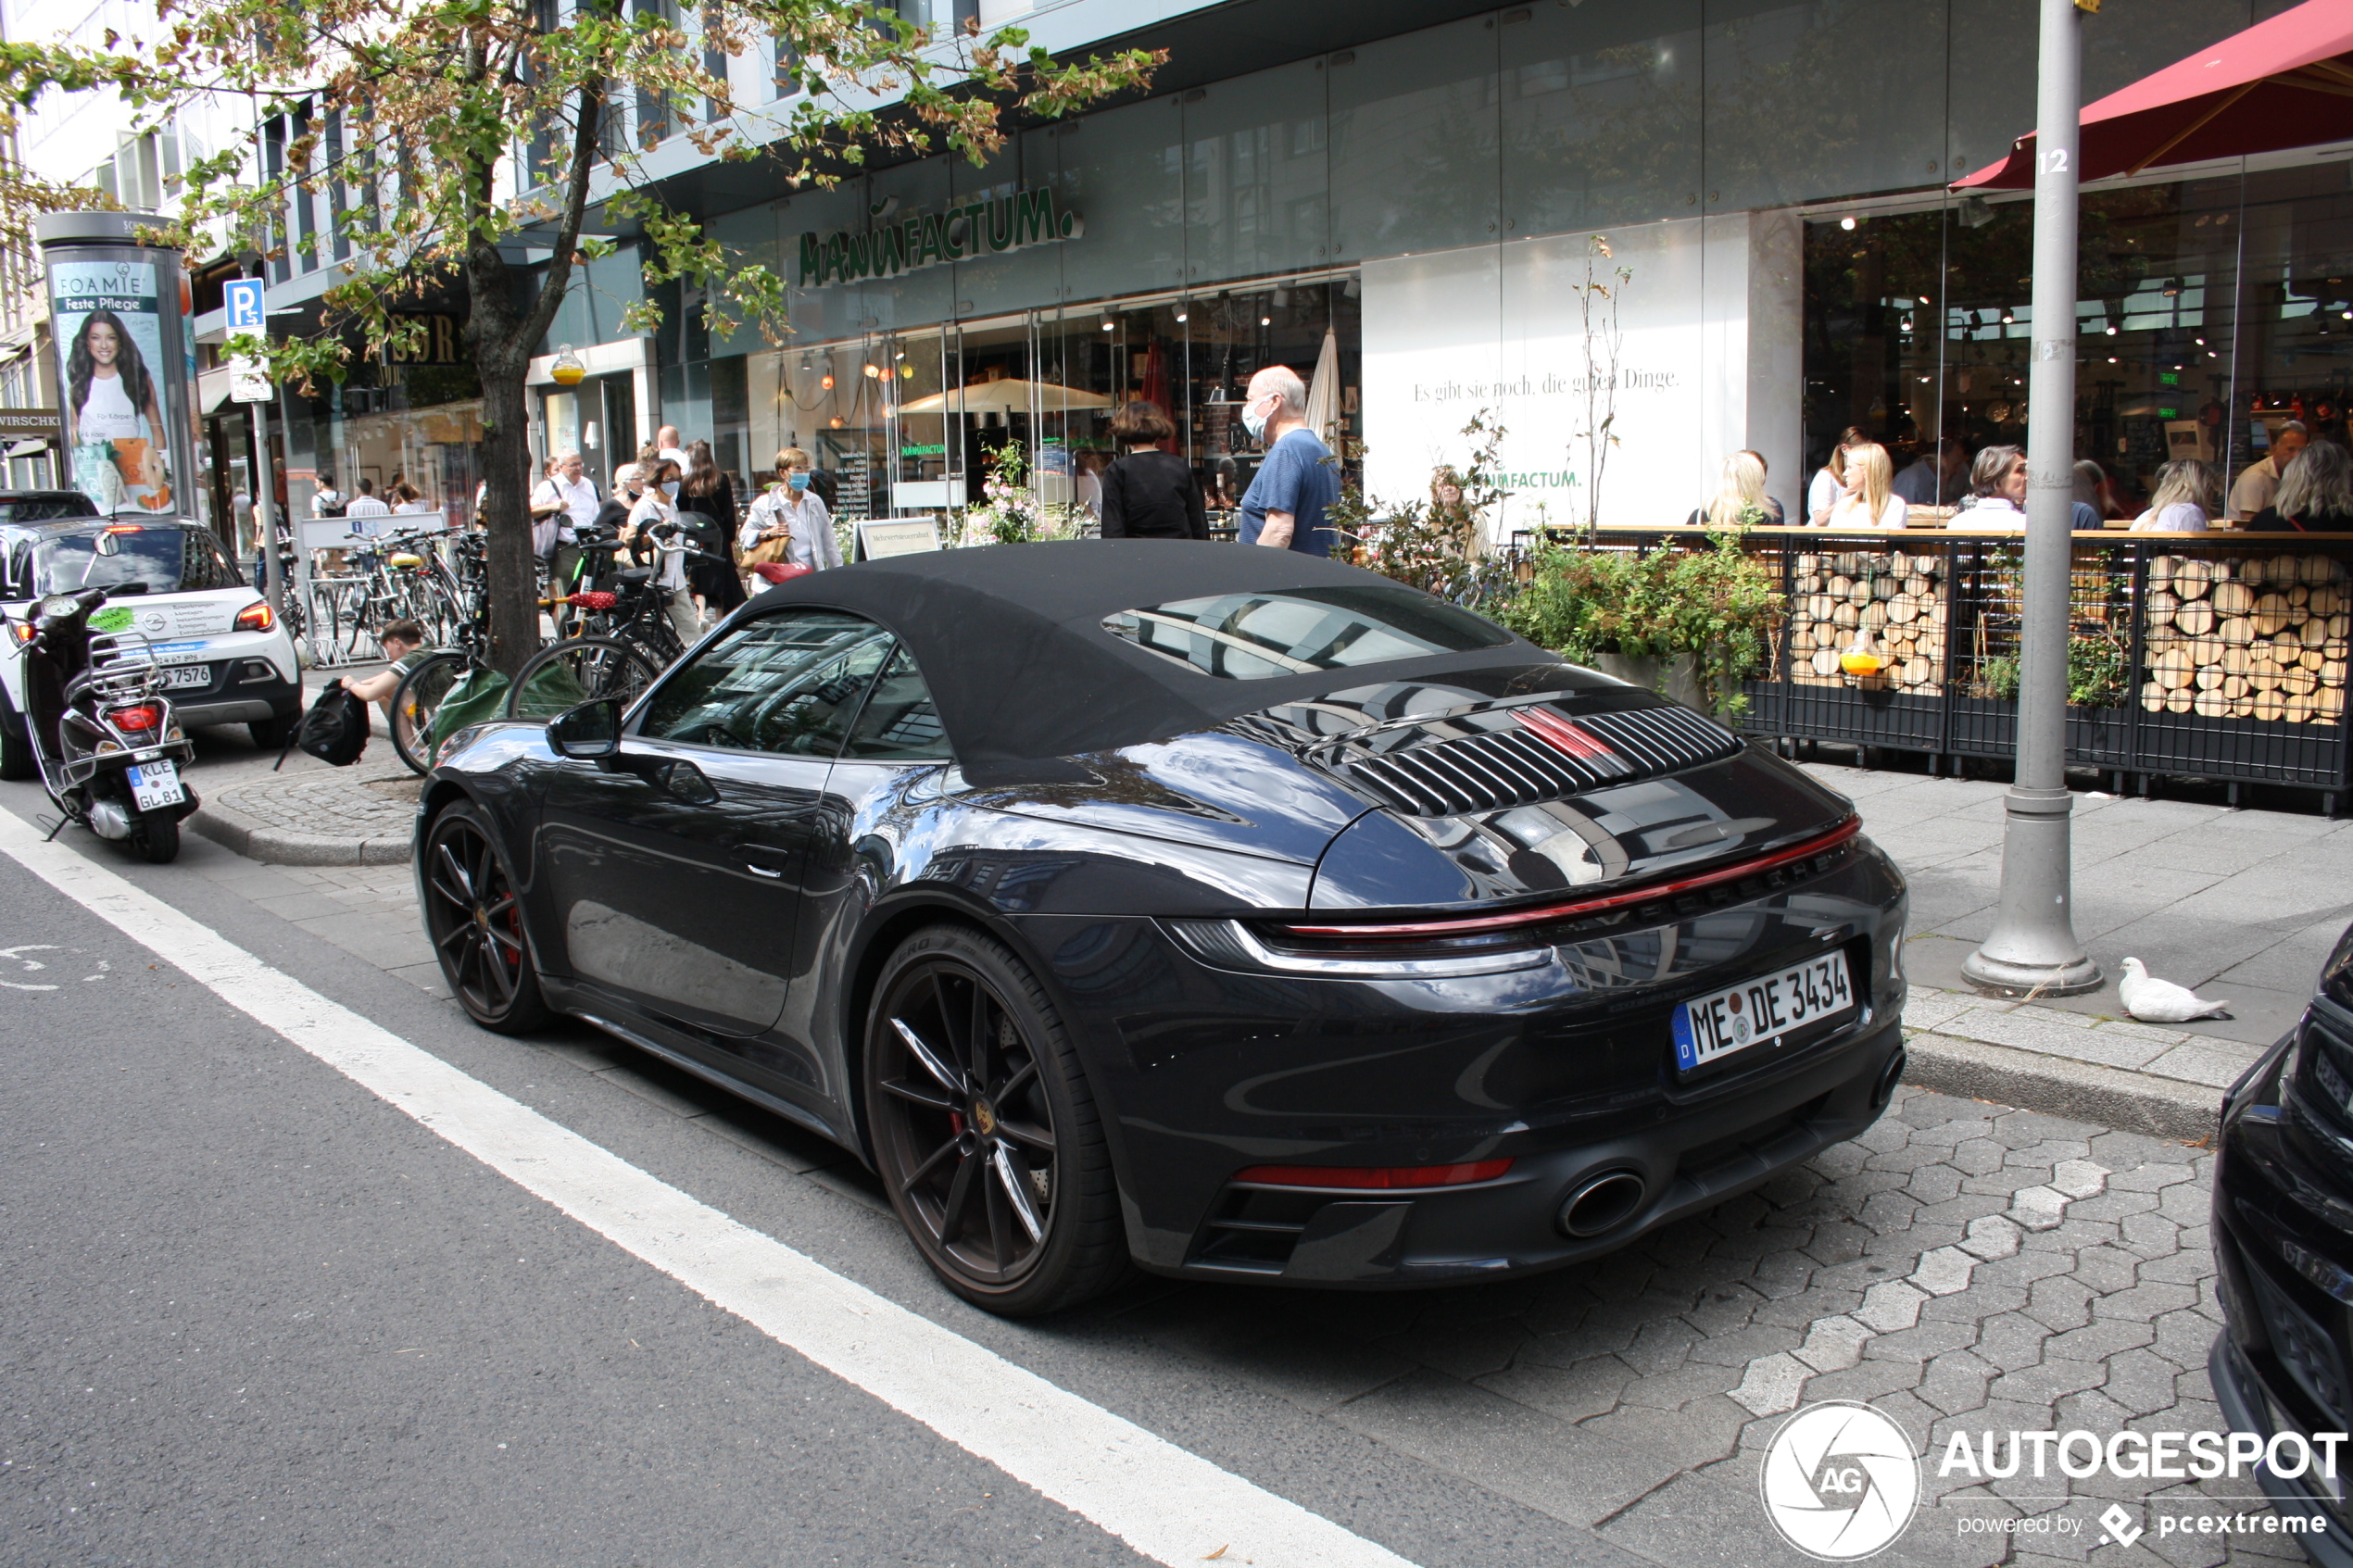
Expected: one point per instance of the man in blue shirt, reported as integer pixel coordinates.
(1284, 506)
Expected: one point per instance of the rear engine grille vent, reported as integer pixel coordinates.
(1539, 757)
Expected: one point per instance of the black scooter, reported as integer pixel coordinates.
(108, 742)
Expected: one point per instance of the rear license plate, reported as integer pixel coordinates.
(1765, 1009)
(155, 783)
(178, 675)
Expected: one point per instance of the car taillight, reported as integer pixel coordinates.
(256, 617)
(138, 716)
(1385, 1178)
(1579, 908)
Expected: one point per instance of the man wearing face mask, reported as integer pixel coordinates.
(1285, 504)
(790, 513)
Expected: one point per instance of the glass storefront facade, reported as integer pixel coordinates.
(1769, 177)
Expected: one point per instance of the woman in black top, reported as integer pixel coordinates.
(710, 490)
(2315, 493)
(1149, 494)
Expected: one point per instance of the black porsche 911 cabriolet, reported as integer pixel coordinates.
(1223, 911)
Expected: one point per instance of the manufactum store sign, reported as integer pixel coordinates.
(981, 227)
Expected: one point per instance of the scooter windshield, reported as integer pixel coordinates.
(146, 560)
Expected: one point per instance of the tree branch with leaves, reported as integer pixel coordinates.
(452, 135)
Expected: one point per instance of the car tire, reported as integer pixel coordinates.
(474, 921)
(15, 747)
(275, 733)
(985, 1131)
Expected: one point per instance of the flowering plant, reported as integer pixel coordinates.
(1008, 512)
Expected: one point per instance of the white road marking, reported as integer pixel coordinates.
(1170, 1505)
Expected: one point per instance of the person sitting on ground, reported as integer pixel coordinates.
(404, 645)
(2179, 504)
(2315, 493)
(1740, 500)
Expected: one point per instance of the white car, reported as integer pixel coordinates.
(228, 659)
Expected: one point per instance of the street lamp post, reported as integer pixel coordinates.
(2033, 946)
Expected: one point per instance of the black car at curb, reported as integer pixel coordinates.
(2284, 1251)
(1225, 912)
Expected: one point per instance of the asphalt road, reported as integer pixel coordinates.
(257, 1313)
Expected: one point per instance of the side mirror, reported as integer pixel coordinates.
(589, 732)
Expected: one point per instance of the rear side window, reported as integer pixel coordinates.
(47, 508)
(157, 560)
(1256, 637)
(899, 724)
(790, 684)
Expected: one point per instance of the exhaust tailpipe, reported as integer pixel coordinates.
(1890, 1075)
(1603, 1204)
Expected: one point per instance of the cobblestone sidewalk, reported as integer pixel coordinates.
(360, 815)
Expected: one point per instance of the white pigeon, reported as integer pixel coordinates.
(2162, 1001)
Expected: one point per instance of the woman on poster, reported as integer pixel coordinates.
(119, 431)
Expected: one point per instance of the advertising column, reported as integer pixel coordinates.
(118, 316)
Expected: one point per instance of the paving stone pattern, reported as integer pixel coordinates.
(2240, 905)
(361, 801)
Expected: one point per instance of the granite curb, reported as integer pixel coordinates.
(2085, 1091)
(242, 835)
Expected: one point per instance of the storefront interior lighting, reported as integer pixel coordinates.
(1847, 224)
(1109, 323)
(826, 380)
(1267, 320)
(873, 372)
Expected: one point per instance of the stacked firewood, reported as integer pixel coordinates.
(2253, 637)
(1898, 599)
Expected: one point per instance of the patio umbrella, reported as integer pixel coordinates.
(1009, 394)
(2286, 82)
(1322, 391)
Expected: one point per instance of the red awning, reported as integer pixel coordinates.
(2286, 82)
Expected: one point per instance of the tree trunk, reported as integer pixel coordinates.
(512, 609)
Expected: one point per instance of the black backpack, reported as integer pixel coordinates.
(336, 730)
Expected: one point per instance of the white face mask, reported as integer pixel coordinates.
(670, 488)
(1254, 421)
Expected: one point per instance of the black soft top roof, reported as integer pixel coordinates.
(1010, 639)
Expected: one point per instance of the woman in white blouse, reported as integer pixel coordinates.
(1866, 498)
(658, 505)
(2183, 500)
(791, 510)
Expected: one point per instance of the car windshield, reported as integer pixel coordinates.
(1298, 630)
(155, 560)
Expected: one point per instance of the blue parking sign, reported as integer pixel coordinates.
(243, 298)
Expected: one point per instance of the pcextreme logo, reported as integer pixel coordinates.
(1839, 1481)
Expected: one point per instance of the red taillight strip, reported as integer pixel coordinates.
(1473, 925)
(1385, 1178)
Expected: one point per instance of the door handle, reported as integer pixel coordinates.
(762, 861)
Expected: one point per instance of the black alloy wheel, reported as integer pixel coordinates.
(474, 922)
(984, 1132)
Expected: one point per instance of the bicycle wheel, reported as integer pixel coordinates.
(575, 670)
(419, 698)
(654, 639)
